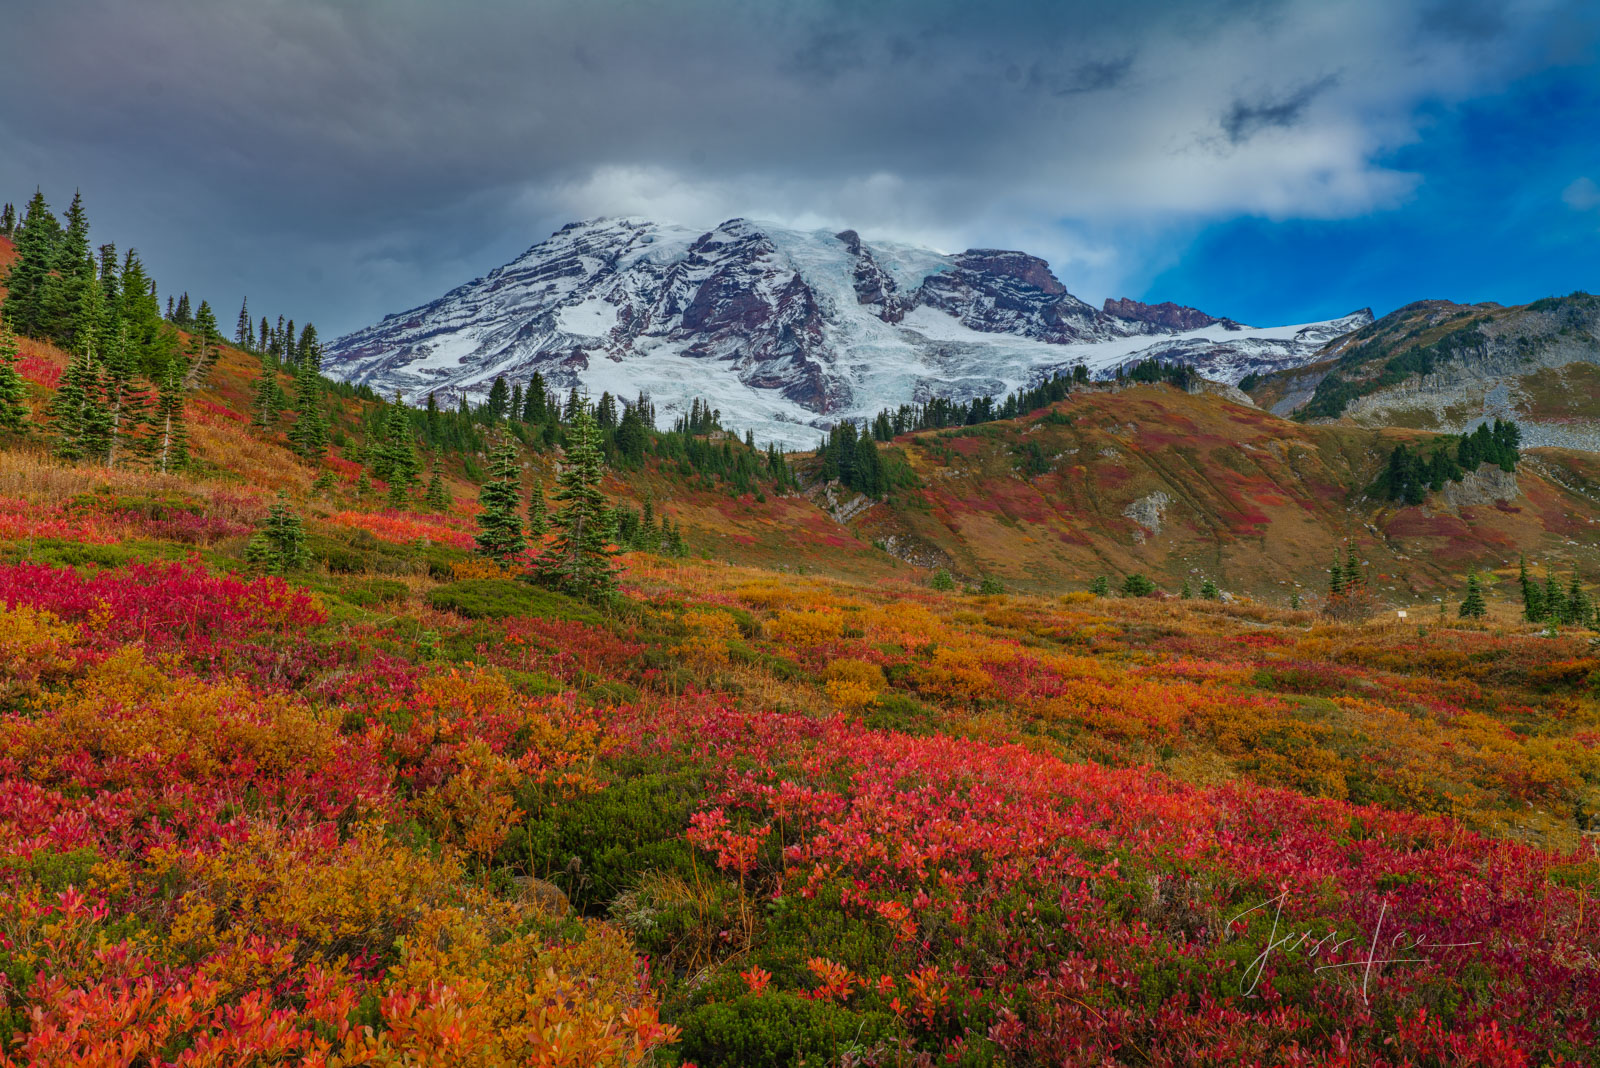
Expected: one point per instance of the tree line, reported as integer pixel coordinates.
(1410, 475)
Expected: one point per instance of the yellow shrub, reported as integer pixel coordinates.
(852, 683)
(809, 627)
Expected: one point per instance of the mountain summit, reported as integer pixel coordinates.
(787, 331)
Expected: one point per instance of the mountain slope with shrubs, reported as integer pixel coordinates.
(336, 744)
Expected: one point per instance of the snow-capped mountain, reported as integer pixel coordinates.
(784, 331)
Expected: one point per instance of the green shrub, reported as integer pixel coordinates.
(942, 580)
(1137, 585)
(596, 847)
(990, 587)
(374, 591)
(502, 598)
(777, 1030)
(897, 712)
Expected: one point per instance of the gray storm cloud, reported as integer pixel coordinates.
(344, 159)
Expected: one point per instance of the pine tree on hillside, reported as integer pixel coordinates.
(1336, 581)
(267, 402)
(1209, 591)
(126, 401)
(243, 335)
(29, 276)
(308, 350)
(171, 442)
(80, 423)
(152, 342)
(631, 436)
(438, 496)
(395, 457)
(204, 341)
(499, 401)
(281, 543)
(1533, 604)
(538, 514)
(581, 558)
(184, 314)
(309, 435)
(265, 339)
(1578, 607)
(13, 390)
(68, 286)
(1353, 578)
(8, 220)
(499, 534)
(1472, 606)
(1555, 605)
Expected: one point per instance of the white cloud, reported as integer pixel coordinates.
(1582, 195)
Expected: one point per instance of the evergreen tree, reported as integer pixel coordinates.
(538, 515)
(536, 400)
(8, 220)
(74, 276)
(499, 534)
(1137, 585)
(281, 543)
(1472, 606)
(184, 315)
(151, 341)
(125, 401)
(1100, 586)
(205, 341)
(631, 436)
(605, 412)
(1353, 579)
(395, 458)
(438, 496)
(308, 350)
(581, 559)
(243, 335)
(1186, 593)
(13, 390)
(80, 424)
(499, 400)
(171, 451)
(268, 400)
(1336, 582)
(1533, 604)
(1578, 607)
(29, 277)
(309, 435)
(265, 339)
(1209, 591)
(1555, 605)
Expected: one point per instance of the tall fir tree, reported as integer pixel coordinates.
(1472, 605)
(1533, 606)
(438, 495)
(205, 346)
(499, 534)
(581, 558)
(538, 513)
(8, 220)
(243, 335)
(125, 400)
(499, 402)
(29, 278)
(170, 443)
(267, 402)
(13, 390)
(310, 432)
(68, 286)
(395, 456)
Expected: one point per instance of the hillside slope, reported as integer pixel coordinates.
(1194, 485)
(1444, 366)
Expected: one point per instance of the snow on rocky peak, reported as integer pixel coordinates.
(785, 331)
